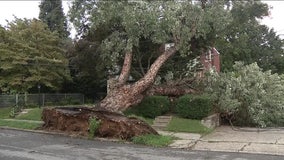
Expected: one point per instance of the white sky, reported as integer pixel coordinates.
(30, 9)
(275, 20)
(24, 9)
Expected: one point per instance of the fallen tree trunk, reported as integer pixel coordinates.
(75, 120)
(171, 91)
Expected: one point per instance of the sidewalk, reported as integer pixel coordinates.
(224, 138)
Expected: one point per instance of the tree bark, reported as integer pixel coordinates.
(123, 77)
(123, 96)
(172, 91)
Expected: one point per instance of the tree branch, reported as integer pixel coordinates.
(149, 77)
(124, 74)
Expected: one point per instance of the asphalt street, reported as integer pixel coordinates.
(22, 145)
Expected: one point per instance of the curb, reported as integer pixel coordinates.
(64, 134)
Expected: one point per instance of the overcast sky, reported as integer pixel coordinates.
(30, 9)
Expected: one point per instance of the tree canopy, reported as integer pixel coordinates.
(51, 13)
(131, 23)
(30, 55)
(88, 69)
(158, 22)
(245, 39)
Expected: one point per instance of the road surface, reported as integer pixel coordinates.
(21, 145)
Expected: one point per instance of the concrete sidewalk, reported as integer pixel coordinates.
(224, 138)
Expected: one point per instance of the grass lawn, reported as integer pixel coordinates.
(19, 124)
(187, 125)
(5, 112)
(33, 114)
(153, 140)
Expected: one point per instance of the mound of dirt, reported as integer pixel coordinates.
(75, 120)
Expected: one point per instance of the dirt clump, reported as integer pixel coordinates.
(75, 120)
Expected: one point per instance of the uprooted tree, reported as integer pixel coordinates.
(165, 23)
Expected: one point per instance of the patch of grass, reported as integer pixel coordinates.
(33, 114)
(187, 125)
(5, 112)
(153, 140)
(19, 124)
(149, 121)
(94, 124)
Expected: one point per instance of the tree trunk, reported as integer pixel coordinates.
(123, 96)
(119, 98)
(172, 91)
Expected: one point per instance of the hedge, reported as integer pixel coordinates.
(194, 106)
(150, 107)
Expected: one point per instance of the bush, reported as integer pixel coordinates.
(14, 111)
(249, 96)
(151, 107)
(194, 106)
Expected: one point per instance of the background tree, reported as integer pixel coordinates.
(160, 22)
(31, 55)
(51, 13)
(88, 69)
(245, 39)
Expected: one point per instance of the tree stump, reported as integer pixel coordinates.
(75, 120)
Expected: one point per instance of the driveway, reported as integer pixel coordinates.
(21, 145)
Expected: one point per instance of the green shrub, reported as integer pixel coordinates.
(151, 107)
(194, 106)
(94, 124)
(248, 96)
(14, 111)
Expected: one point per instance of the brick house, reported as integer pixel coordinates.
(211, 60)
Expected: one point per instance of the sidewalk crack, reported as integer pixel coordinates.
(277, 141)
(242, 149)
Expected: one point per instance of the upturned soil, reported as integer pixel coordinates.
(75, 120)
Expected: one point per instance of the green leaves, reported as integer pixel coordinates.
(159, 21)
(248, 94)
(31, 55)
(245, 39)
(51, 13)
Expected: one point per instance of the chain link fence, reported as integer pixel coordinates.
(43, 99)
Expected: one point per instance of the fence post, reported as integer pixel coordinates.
(17, 99)
(83, 99)
(43, 99)
(26, 99)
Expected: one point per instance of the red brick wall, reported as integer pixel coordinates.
(216, 60)
(211, 59)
